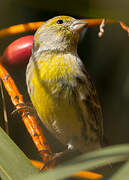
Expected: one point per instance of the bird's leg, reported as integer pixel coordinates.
(55, 157)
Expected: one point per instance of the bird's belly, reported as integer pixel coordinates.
(59, 114)
(60, 117)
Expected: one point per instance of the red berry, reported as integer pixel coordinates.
(19, 51)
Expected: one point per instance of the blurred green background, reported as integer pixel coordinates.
(106, 59)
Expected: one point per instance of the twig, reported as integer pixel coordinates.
(125, 27)
(101, 28)
(29, 120)
(20, 28)
(4, 109)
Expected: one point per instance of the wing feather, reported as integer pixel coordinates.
(91, 101)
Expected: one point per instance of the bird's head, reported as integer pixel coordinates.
(60, 33)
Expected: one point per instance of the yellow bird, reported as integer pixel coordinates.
(60, 88)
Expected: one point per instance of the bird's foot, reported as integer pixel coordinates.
(20, 107)
(55, 157)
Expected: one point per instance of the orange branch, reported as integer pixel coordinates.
(20, 28)
(29, 121)
(88, 175)
(125, 27)
(97, 22)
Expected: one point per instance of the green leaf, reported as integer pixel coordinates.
(14, 165)
(88, 161)
(122, 173)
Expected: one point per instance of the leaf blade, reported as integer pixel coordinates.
(13, 162)
(86, 162)
(122, 173)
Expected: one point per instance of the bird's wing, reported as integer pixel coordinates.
(91, 101)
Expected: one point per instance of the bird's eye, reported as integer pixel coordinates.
(60, 21)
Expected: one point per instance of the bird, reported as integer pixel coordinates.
(60, 87)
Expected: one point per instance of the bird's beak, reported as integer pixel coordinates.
(78, 25)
